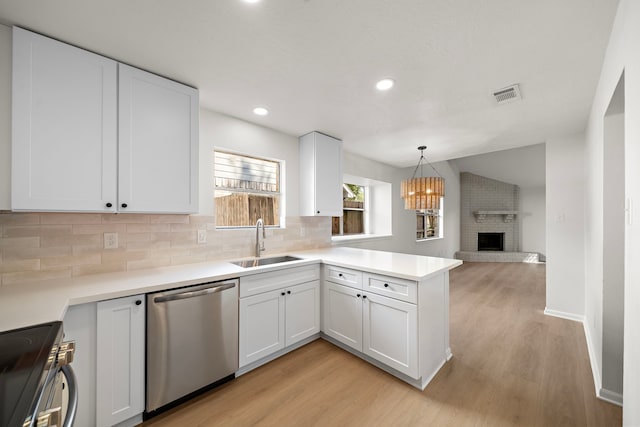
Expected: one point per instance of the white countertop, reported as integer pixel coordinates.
(33, 303)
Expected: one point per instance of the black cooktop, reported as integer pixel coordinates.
(23, 361)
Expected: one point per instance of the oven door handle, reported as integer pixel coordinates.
(67, 371)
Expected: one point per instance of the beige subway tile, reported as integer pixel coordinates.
(35, 276)
(99, 229)
(169, 219)
(135, 238)
(147, 245)
(202, 219)
(149, 263)
(35, 230)
(84, 270)
(17, 265)
(71, 260)
(161, 236)
(19, 242)
(23, 253)
(148, 228)
(124, 218)
(70, 218)
(16, 218)
(88, 249)
(110, 257)
(71, 240)
(178, 228)
(187, 259)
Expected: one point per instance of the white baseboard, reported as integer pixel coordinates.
(564, 315)
(610, 396)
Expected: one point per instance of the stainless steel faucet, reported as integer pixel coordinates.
(260, 245)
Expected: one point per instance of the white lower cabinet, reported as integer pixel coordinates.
(109, 360)
(390, 332)
(342, 313)
(370, 314)
(276, 319)
(120, 359)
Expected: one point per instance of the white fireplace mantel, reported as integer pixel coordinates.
(507, 216)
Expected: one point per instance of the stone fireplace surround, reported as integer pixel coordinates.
(490, 206)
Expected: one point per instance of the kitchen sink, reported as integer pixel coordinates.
(257, 262)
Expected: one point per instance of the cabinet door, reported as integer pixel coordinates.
(390, 333)
(320, 175)
(343, 314)
(64, 120)
(120, 359)
(158, 143)
(302, 316)
(261, 326)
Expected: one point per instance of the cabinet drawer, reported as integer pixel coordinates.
(264, 282)
(343, 276)
(404, 290)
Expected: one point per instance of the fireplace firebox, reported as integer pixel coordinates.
(490, 241)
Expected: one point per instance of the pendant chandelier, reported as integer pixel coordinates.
(422, 193)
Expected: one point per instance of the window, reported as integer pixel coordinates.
(367, 210)
(429, 223)
(246, 188)
(353, 211)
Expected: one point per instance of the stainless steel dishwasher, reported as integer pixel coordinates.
(192, 340)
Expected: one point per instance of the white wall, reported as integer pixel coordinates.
(565, 226)
(524, 167)
(621, 56)
(5, 117)
(533, 220)
(404, 222)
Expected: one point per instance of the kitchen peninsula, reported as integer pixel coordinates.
(390, 309)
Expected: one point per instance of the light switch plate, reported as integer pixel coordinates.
(202, 236)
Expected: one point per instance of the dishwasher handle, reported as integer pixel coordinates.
(192, 294)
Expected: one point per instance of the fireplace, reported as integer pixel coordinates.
(490, 241)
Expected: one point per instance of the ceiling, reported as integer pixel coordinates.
(314, 63)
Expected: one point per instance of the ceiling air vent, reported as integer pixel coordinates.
(507, 94)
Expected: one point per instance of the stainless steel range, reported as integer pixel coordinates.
(37, 385)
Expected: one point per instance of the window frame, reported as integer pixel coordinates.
(440, 228)
(279, 194)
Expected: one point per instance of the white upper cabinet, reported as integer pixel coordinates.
(158, 151)
(92, 135)
(64, 127)
(320, 175)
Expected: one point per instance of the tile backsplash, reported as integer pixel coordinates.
(41, 246)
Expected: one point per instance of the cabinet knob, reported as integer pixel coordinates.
(138, 302)
(358, 295)
(339, 274)
(289, 292)
(386, 285)
(124, 205)
(317, 212)
(283, 294)
(109, 205)
(364, 296)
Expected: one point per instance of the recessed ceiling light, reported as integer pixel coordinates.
(251, 1)
(260, 111)
(385, 84)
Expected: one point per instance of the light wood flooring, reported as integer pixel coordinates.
(511, 365)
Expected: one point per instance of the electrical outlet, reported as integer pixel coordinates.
(111, 240)
(303, 231)
(202, 236)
